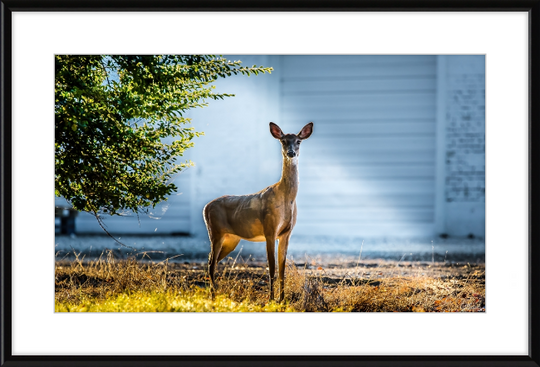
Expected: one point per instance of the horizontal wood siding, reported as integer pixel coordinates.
(369, 167)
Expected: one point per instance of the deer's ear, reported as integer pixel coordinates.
(275, 131)
(306, 131)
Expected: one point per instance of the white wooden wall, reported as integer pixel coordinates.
(369, 167)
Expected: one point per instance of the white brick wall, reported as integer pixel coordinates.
(465, 145)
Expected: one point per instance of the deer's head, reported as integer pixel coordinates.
(290, 143)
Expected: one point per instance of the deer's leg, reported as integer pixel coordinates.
(270, 254)
(228, 246)
(216, 242)
(282, 257)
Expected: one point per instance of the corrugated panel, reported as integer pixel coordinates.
(369, 168)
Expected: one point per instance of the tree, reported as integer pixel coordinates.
(112, 114)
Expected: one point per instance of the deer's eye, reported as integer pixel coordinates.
(298, 141)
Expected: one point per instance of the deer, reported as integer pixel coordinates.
(265, 216)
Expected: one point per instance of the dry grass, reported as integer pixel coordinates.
(129, 285)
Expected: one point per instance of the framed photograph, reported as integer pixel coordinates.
(463, 76)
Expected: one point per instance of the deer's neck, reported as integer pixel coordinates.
(288, 183)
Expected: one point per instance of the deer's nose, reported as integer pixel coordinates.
(291, 153)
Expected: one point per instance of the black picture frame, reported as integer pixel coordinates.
(9, 6)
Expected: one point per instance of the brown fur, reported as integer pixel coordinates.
(265, 216)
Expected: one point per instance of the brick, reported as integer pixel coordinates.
(465, 136)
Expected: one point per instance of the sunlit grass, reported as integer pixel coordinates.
(110, 285)
(143, 301)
